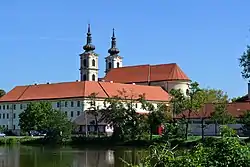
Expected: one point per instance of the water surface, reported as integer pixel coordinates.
(28, 156)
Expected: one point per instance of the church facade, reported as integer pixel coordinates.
(72, 98)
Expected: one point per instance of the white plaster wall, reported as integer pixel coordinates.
(84, 105)
(89, 70)
(169, 85)
(114, 60)
(210, 129)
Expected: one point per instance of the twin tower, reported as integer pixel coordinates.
(89, 59)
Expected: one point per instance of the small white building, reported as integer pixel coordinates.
(72, 98)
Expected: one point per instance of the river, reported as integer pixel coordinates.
(29, 156)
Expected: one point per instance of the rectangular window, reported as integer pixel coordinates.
(0, 116)
(3, 126)
(92, 103)
(0, 107)
(21, 106)
(72, 104)
(7, 115)
(14, 127)
(14, 107)
(7, 107)
(3, 107)
(14, 116)
(78, 113)
(66, 113)
(136, 105)
(78, 103)
(72, 113)
(58, 104)
(3, 116)
(66, 104)
(7, 127)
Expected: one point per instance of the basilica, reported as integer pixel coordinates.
(72, 98)
(167, 76)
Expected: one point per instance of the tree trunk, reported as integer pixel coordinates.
(202, 129)
(186, 131)
(96, 127)
(151, 132)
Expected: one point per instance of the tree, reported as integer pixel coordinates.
(244, 63)
(40, 116)
(193, 102)
(245, 120)
(121, 114)
(220, 114)
(156, 116)
(213, 96)
(2, 92)
(94, 111)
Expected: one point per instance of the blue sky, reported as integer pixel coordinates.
(40, 41)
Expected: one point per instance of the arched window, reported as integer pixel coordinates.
(84, 77)
(93, 77)
(118, 64)
(84, 62)
(93, 62)
(110, 65)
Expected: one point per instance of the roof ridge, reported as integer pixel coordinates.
(163, 64)
(131, 66)
(23, 92)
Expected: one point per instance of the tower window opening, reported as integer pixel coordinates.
(110, 65)
(93, 62)
(118, 64)
(84, 62)
(84, 77)
(93, 77)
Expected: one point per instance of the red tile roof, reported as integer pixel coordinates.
(235, 109)
(145, 73)
(81, 89)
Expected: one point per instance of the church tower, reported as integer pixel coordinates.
(113, 60)
(89, 61)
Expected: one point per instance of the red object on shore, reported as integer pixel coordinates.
(160, 130)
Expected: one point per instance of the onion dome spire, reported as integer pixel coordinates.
(113, 50)
(89, 46)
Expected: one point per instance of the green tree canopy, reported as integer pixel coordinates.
(2, 92)
(244, 63)
(40, 116)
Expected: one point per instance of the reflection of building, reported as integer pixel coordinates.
(9, 156)
(72, 97)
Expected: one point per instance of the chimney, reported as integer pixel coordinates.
(248, 90)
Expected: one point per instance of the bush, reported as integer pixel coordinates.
(219, 153)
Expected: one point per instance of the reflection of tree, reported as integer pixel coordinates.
(132, 156)
(41, 157)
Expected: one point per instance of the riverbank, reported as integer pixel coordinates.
(104, 142)
(95, 141)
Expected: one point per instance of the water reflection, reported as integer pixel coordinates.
(26, 156)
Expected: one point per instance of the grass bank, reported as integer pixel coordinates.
(16, 140)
